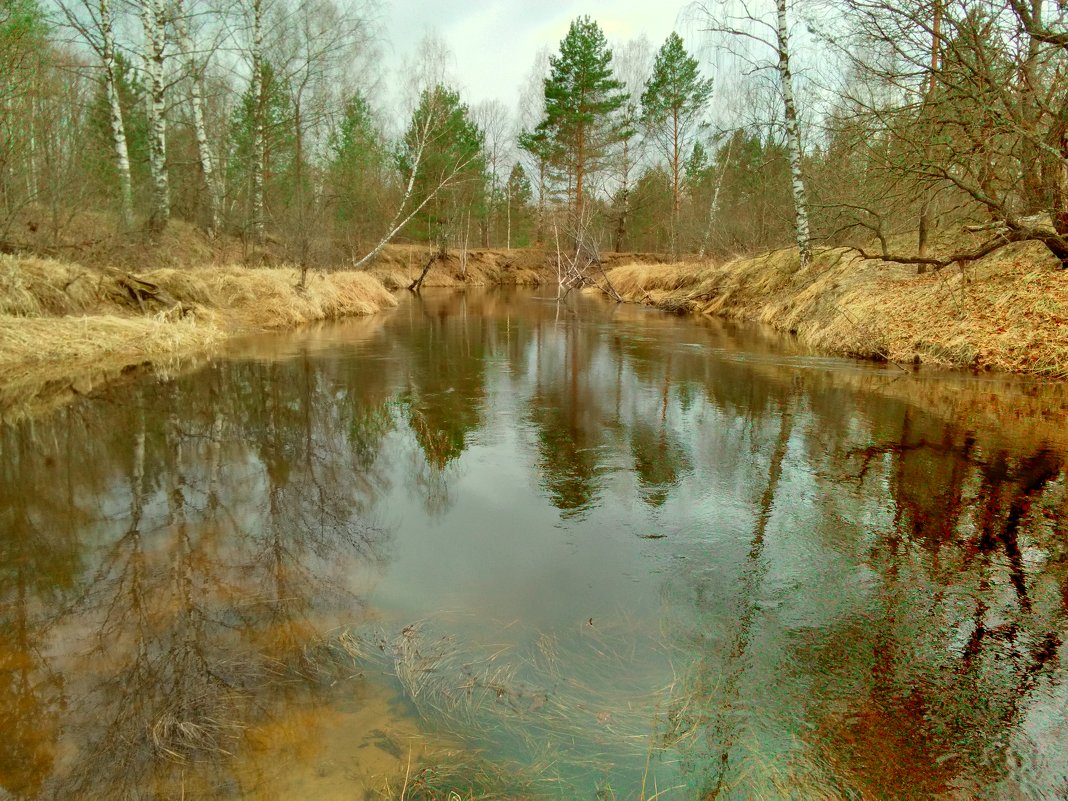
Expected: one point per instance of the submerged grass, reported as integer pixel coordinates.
(571, 709)
(1007, 312)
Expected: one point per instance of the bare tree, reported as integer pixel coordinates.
(493, 118)
(633, 62)
(978, 116)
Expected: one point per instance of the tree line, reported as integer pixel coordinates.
(862, 121)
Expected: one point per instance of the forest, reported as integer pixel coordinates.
(864, 123)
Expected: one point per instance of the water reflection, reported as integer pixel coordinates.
(860, 579)
(188, 544)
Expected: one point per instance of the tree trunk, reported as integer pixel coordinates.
(624, 197)
(258, 139)
(1060, 195)
(580, 165)
(196, 100)
(541, 202)
(154, 20)
(676, 194)
(1036, 172)
(793, 139)
(118, 129)
(925, 208)
(713, 204)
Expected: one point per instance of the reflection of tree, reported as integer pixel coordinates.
(958, 647)
(445, 356)
(659, 459)
(565, 414)
(38, 558)
(724, 729)
(232, 519)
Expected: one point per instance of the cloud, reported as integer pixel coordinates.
(495, 41)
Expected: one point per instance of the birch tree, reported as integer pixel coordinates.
(195, 75)
(767, 31)
(436, 113)
(256, 12)
(633, 65)
(154, 23)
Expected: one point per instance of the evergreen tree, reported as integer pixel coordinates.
(357, 159)
(280, 141)
(519, 197)
(457, 146)
(582, 97)
(672, 105)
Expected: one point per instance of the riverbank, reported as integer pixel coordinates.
(1008, 312)
(66, 327)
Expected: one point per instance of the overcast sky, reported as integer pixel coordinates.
(494, 41)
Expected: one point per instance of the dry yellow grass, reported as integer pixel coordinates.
(62, 322)
(27, 342)
(1007, 312)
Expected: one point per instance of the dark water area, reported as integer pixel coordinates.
(511, 548)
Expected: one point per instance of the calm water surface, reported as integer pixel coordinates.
(518, 549)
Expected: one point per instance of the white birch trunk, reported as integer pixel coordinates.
(793, 138)
(154, 21)
(196, 100)
(118, 129)
(713, 206)
(258, 138)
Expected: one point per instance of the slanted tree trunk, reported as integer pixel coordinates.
(118, 129)
(154, 21)
(196, 100)
(713, 204)
(793, 137)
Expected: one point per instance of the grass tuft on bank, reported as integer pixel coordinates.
(65, 325)
(1007, 312)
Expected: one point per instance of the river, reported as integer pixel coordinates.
(499, 546)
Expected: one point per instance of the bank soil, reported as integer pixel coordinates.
(1007, 312)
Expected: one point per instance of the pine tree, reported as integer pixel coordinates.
(582, 97)
(672, 105)
(357, 158)
(518, 195)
